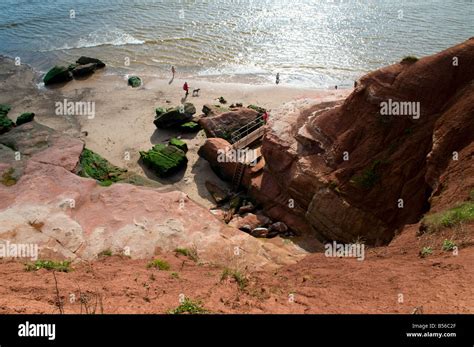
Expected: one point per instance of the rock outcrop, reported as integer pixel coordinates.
(72, 217)
(345, 170)
(225, 123)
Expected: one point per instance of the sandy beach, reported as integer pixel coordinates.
(123, 121)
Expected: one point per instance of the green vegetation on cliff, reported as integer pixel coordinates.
(461, 213)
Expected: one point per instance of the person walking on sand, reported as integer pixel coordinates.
(173, 70)
(277, 78)
(186, 88)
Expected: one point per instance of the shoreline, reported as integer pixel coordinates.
(251, 79)
(123, 123)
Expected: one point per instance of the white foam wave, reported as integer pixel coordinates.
(100, 38)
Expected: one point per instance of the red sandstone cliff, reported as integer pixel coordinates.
(397, 167)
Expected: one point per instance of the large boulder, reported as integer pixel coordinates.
(164, 160)
(225, 123)
(25, 118)
(58, 74)
(87, 60)
(212, 151)
(84, 70)
(175, 116)
(6, 124)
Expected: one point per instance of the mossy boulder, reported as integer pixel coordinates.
(190, 127)
(4, 109)
(134, 81)
(179, 144)
(94, 166)
(57, 74)
(164, 160)
(87, 60)
(175, 116)
(25, 118)
(6, 124)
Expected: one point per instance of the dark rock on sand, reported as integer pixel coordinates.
(84, 70)
(87, 60)
(174, 116)
(164, 160)
(134, 81)
(57, 74)
(25, 118)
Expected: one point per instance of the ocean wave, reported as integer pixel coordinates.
(98, 39)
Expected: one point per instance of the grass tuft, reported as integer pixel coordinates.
(426, 251)
(238, 277)
(190, 307)
(190, 253)
(159, 264)
(61, 266)
(448, 245)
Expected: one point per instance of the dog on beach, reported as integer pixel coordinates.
(196, 92)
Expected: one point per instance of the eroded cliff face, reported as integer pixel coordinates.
(345, 170)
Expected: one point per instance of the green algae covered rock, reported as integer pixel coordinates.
(57, 74)
(179, 144)
(164, 160)
(25, 118)
(174, 116)
(190, 127)
(134, 81)
(94, 166)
